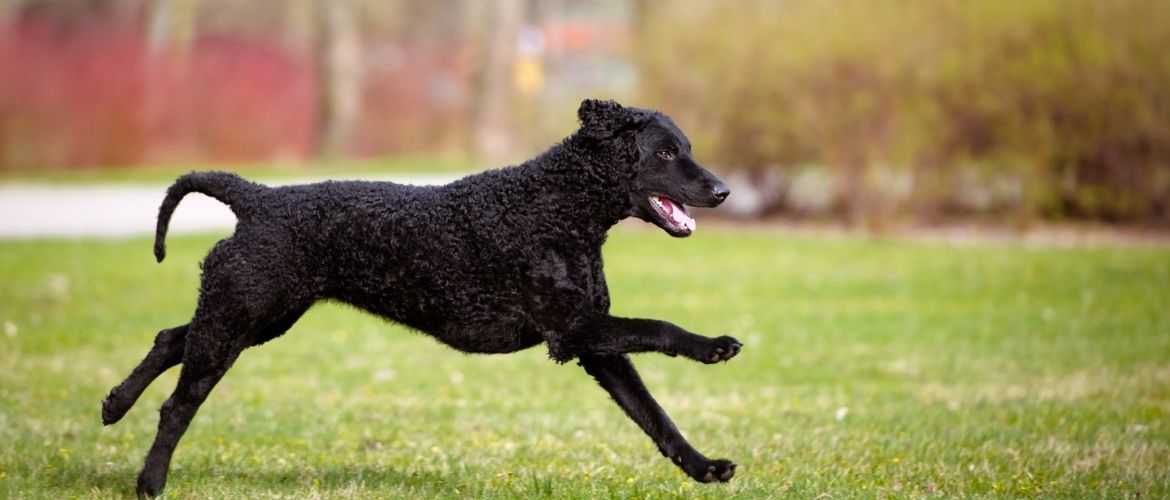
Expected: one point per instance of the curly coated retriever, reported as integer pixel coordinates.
(493, 263)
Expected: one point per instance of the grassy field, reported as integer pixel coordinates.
(871, 368)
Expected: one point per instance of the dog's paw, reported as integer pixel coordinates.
(719, 349)
(114, 408)
(151, 483)
(714, 470)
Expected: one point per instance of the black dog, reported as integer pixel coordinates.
(492, 263)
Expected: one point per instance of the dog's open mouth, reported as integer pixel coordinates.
(674, 213)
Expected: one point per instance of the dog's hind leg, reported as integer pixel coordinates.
(166, 353)
(214, 342)
(617, 375)
(279, 326)
(211, 351)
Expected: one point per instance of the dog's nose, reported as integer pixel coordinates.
(720, 191)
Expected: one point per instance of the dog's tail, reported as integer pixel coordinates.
(230, 189)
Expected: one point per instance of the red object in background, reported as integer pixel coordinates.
(91, 94)
(68, 95)
(241, 101)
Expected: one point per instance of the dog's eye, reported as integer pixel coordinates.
(666, 154)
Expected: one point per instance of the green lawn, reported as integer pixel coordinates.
(870, 368)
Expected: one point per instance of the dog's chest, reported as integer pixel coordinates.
(580, 273)
(592, 280)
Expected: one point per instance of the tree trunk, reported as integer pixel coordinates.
(337, 48)
(493, 137)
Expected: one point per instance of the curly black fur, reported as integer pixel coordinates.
(493, 263)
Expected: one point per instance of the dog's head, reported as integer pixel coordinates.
(665, 177)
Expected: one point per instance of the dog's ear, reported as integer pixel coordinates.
(607, 119)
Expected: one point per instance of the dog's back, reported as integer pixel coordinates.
(380, 246)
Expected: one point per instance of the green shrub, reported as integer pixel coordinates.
(1046, 108)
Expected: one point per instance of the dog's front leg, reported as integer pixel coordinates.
(604, 335)
(617, 375)
(576, 323)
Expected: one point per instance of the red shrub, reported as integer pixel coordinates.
(91, 94)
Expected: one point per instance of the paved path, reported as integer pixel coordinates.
(33, 210)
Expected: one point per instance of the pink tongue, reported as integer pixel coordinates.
(676, 214)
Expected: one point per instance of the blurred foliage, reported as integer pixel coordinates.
(100, 83)
(1043, 109)
(86, 85)
(876, 111)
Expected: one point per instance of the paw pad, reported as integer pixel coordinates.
(723, 349)
(718, 470)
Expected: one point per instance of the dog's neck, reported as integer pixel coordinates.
(587, 183)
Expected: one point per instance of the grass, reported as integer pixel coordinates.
(871, 368)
